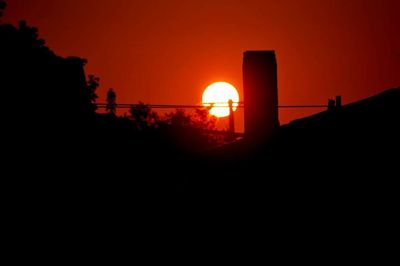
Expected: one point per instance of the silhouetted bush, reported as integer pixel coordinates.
(143, 117)
(3, 5)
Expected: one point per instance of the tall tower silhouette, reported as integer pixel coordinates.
(260, 87)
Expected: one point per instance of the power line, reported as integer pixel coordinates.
(303, 106)
(213, 105)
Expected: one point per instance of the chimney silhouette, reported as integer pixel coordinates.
(260, 87)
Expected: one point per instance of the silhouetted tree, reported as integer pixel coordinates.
(179, 118)
(191, 131)
(52, 87)
(111, 99)
(3, 5)
(92, 84)
(144, 118)
(31, 35)
(200, 119)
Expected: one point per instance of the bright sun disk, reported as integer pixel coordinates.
(218, 95)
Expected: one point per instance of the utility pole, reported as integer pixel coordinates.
(231, 118)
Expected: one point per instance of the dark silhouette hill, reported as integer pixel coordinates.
(366, 130)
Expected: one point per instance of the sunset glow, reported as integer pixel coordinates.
(153, 51)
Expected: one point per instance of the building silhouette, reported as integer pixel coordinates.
(260, 88)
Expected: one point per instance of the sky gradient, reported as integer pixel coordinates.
(168, 51)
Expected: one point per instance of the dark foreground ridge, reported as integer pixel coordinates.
(62, 153)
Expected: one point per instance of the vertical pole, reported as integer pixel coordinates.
(338, 101)
(231, 118)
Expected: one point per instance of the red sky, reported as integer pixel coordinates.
(168, 51)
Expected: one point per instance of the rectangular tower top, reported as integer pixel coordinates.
(260, 52)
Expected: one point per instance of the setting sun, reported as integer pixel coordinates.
(218, 95)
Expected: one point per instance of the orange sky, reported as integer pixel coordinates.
(168, 51)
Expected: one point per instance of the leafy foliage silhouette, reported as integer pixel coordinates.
(143, 117)
(92, 85)
(111, 100)
(3, 5)
(49, 101)
(183, 130)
